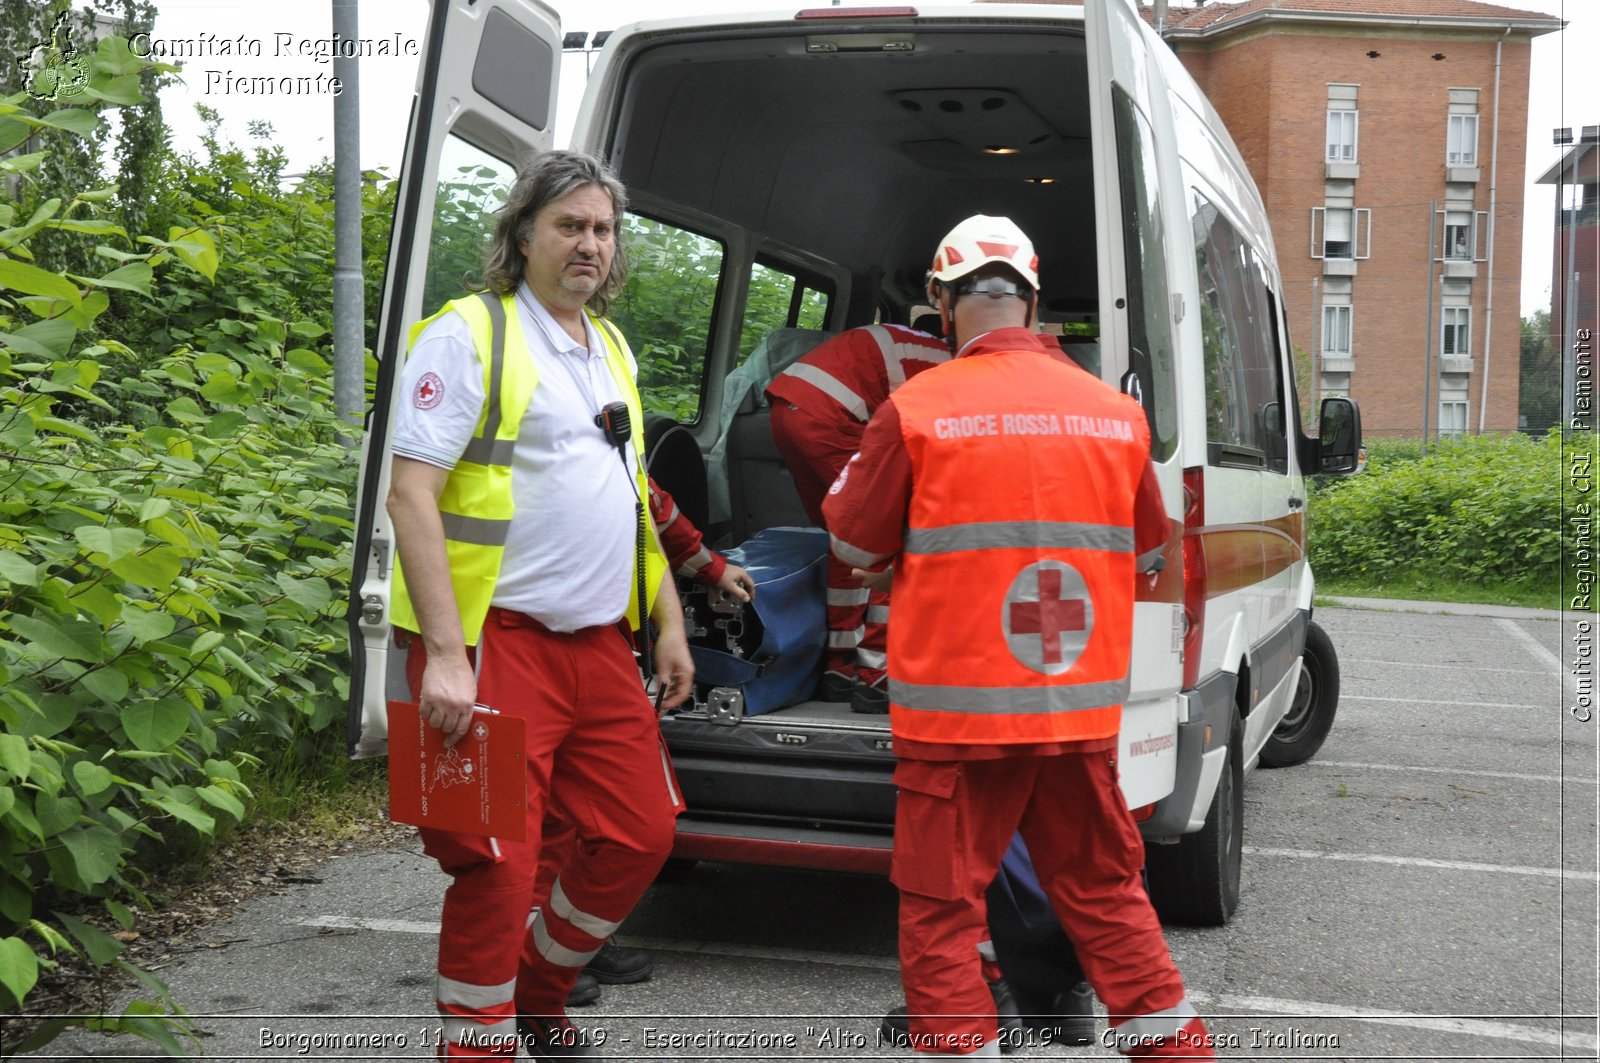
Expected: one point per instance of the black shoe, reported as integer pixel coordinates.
(866, 698)
(835, 687)
(617, 965)
(549, 1039)
(896, 1025)
(1073, 1022)
(585, 991)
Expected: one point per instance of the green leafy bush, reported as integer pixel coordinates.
(174, 535)
(1475, 509)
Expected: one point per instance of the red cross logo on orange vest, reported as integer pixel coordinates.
(1048, 616)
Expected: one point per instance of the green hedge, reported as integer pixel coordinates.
(1474, 509)
(175, 525)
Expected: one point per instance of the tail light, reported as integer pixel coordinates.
(1194, 573)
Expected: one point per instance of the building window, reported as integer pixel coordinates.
(1341, 232)
(1336, 331)
(1342, 136)
(1336, 237)
(1461, 147)
(1458, 236)
(1452, 417)
(1456, 336)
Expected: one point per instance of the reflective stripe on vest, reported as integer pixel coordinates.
(1014, 591)
(477, 505)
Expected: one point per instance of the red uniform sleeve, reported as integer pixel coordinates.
(867, 505)
(1149, 514)
(682, 541)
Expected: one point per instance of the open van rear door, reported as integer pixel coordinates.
(486, 97)
(1134, 221)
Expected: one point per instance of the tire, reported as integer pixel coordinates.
(1196, 881)
(1305, 727)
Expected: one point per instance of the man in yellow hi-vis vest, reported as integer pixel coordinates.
(520, 582)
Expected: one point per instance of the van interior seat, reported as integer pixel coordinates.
(750, 486)
(674, 462)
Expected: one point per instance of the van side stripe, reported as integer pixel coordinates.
(1008, 700)
(1024, 534)
(1242, 555)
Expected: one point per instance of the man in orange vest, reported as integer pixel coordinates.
(1012, 491)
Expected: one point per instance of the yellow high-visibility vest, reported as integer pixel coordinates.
(477, 504)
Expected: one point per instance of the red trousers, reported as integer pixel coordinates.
(953, 821)
(815, 449)
(597, 762)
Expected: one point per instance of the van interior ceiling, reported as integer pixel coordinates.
(866, 156)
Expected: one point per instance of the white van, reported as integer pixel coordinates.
(790, 173)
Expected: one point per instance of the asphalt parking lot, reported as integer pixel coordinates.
(1425, 888)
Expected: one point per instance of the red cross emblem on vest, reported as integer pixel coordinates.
(1048, 616)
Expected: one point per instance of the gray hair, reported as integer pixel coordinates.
(540, 182)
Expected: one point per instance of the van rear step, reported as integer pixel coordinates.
(787, 789)
(778, 845)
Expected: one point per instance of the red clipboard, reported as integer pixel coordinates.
(478, 786)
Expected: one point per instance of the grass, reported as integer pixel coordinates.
(327, 794)
(1434, 589)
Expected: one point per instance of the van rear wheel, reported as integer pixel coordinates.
(1196, 881)
(1305, 727)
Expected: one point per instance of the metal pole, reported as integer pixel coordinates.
(1318, 341)
(349, 311)
(1427, 360)
(1494, 180)
(1568, 231)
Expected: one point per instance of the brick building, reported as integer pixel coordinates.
(1574, 269)
(1366, 124)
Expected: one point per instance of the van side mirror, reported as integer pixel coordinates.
(1274, 440)
(1338, 449)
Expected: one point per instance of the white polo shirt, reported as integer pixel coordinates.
(569, 555)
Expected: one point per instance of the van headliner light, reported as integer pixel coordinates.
(857, 12)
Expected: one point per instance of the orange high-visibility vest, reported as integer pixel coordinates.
(1013, 595)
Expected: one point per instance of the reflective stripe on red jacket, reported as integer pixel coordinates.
(854, 372)
(681, 541)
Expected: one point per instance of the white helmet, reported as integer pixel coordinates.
(981, 240)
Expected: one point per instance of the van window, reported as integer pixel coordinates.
(1245, 416)
(665, 311)
(1149, 328)
(472, 189)
(779, 299)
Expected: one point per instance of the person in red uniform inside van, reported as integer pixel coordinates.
(1013, 492)
(820, 406)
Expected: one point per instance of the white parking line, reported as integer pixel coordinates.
(1444, 701)
(1571, 780)
(1455, 1024)
(1245, 1006)
(1457, 666)
(1532, 645)
(386, 926)
(1416, 861)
